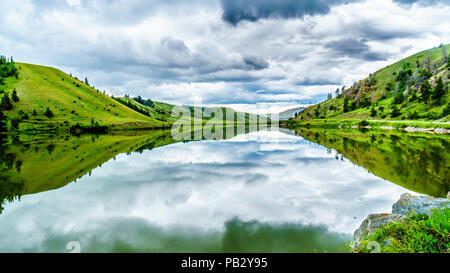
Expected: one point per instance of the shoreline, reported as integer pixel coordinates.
(406, 126)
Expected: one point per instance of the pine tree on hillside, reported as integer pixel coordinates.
(14, 96)
(49, 113)
(395, 112)
(439, 91)
(346, 106)
(6, 104)
(425, 89)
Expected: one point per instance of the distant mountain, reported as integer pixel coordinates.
(413, 88)
(285, 115)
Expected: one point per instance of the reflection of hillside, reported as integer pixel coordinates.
(416, 162)
(31, 164)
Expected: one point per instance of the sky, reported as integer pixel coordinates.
(251, 54)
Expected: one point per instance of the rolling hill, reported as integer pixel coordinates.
(69, 102)
(39, 98)
(163, 112)
(405, 90)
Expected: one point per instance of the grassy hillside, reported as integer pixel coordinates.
(39, 98)
(68, 100)
(163, 112)
(395, 92)
(417, 162)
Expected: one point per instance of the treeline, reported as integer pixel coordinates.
(7, 70)
(133, 106)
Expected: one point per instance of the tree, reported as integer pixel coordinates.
(395, 112)
(86, 81)
(439, 91)
(337, 92)
(48, 113)
(6, 104)
(346, 106)
(15, 124)
(3, 124)
(373, 112)
(14, 96)
(425, 89)
(399, 98)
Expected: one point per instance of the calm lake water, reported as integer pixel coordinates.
(266, 191)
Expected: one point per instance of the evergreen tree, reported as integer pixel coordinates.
(3, 124)
(439, 91)
(14, 96)
(6, 104)
(395, 112)
(49, 113)
(373, 112)
(399, 97)
(425, 89)
(346, 106)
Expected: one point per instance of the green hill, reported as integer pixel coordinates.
(39, 98)
(396, 92)
(163, 112)
(69, 102)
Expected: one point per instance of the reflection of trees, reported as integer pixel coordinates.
(416, 162)
(8, 190)
(42, 163)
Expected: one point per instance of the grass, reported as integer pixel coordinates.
(51, 100)
(375, 87)
(70, 100)
(163, 111)
(418, 234)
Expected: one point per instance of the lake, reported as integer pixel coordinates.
(305, 190)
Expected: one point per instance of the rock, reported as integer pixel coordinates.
(409, 204)
(375, 221)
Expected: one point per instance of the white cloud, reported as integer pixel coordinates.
(174, 51)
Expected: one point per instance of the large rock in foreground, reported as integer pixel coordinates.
(375, 221)
(407, 205)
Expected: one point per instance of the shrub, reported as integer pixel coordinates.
(14, 96)
(48, 113)
(446, 110)
(395, 112)
(15, 124)
(6, 104)
(363, 123)
(418, 234)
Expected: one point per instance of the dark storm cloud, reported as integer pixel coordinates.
(235, 11)
(375, 32)
(354, 48)
(256, 63)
